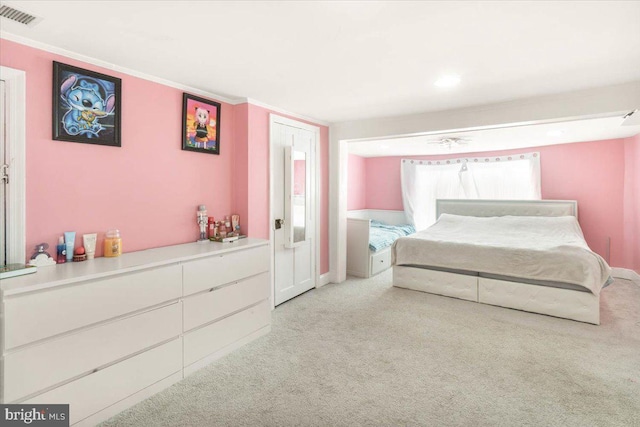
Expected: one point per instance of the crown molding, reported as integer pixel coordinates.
(104, 64)
(285, 112)
(100, 63)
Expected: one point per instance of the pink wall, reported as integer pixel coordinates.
(632, 203)
(590, 172)
(240, 183)
(357, 183)
(148, 188)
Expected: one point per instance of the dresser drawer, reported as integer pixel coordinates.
(211, 338)
(380, 261)
(92, 393)
(43, 365)
(226, 268)
(206, 307)
(39, 315)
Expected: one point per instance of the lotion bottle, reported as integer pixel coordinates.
(70, 242)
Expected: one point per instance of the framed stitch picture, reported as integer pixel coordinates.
(86, 106)
(200, 124)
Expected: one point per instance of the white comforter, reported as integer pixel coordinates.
(533, 248)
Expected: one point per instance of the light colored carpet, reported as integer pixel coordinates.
(365, 353)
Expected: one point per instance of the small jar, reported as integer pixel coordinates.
(112, 243)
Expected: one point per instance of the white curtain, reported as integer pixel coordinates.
(515, 177)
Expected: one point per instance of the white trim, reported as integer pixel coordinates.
(490, 127)
(338, 170)
(274, 118)
(15, 86)
(625, 273)
(283, 111)
(272, 258)
(325, 279)
(97, 62)
(318, 199)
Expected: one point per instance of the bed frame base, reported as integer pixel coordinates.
(564, 303)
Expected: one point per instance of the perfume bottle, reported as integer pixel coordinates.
(61, 251)
(212, 227)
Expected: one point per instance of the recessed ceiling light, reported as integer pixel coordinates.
(557, 132)
(447, 81)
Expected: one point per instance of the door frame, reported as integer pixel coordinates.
(315, 213)
(15, 87)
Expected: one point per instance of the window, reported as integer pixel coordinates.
(515, 177)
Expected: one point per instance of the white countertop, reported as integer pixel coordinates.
(73, 272)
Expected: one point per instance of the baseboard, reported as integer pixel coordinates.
(625, 273)
(128, 402)
(324, 280)
(357, 274)
(188, 370)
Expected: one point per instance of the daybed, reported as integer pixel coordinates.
(370, 234)
(527, 255)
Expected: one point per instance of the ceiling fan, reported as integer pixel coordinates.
(449, 141)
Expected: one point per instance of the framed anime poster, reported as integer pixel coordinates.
(200, 125)
(86, 106)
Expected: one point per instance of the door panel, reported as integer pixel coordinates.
(4, 208)
(293, 186)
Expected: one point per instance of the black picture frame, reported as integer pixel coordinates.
(86, 106)
(199, 133)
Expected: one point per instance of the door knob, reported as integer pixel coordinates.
(279, 223)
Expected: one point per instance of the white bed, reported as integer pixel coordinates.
(460, 256)
(361, 261)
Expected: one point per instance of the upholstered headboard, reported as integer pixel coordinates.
(507, 207)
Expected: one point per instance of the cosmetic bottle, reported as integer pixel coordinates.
(70, 242)
(89, 241)
(61, 251)
(212, 227)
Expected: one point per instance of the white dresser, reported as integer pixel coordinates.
(101, 335)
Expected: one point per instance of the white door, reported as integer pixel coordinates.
(293, 208)
(12, 166)
(4, 209)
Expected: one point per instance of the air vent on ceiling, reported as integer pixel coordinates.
(18, 15)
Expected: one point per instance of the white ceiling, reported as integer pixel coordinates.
(339, 61)
(498, 139)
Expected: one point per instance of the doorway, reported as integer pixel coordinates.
(294, 207)
(12, 166)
